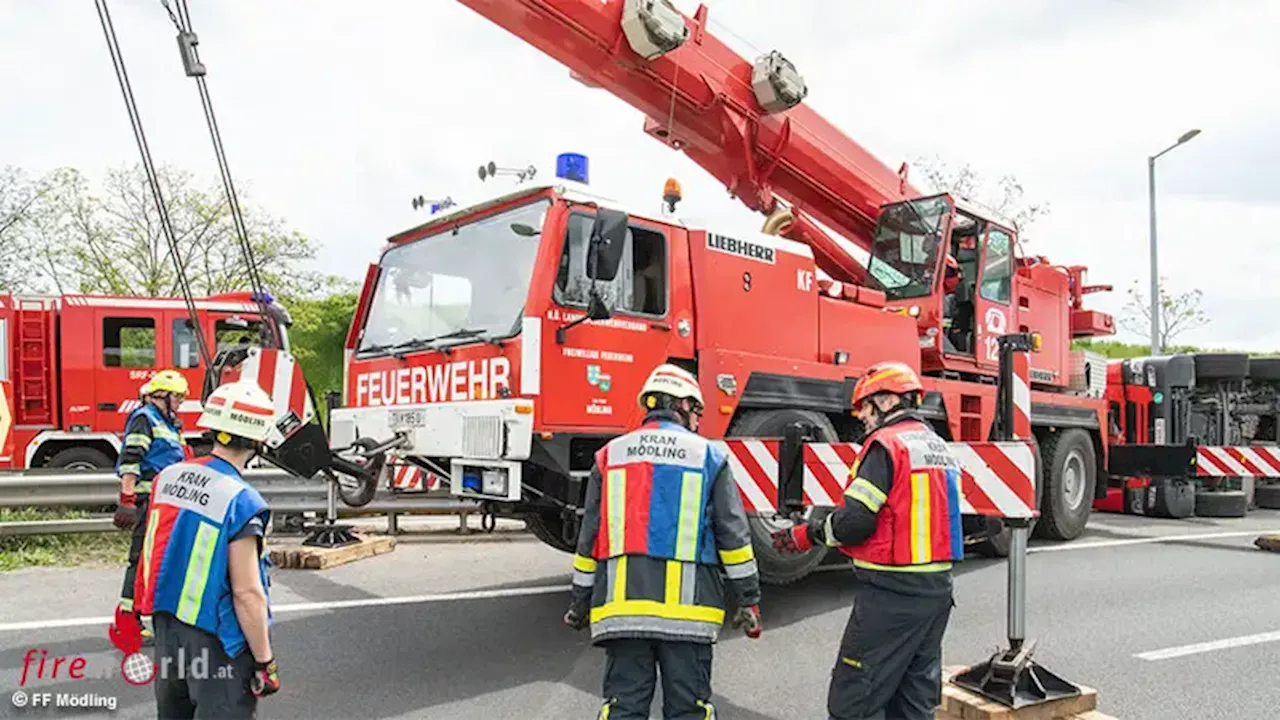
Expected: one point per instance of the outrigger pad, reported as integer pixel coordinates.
(330, 535)
(1014, 680)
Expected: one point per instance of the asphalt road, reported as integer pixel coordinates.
(472, 630)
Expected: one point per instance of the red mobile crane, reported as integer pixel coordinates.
(579, 301)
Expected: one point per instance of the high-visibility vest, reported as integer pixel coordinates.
(163, 447)
(197, 508)
(918, 528)
(656, 487)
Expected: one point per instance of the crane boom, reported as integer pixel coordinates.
(699, 98)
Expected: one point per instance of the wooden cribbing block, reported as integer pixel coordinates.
(960, 704)
(319, 558)
(1270, 543)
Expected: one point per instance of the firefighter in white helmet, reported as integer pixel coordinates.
(205, 530)
(663, 521)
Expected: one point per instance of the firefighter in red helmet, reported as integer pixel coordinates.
(900, 522)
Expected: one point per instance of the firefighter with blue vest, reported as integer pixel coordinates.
(152, 441)
(663, 530)
(900, 522)
(204, 573)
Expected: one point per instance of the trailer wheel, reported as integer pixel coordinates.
(777, 568)
(1222, 504)
(549, 528)
(1173, 498)
(80, 459)
(1221, 366)
(1267, 496)
(1070, 477)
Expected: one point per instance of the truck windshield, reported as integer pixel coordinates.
(467, 282)
(905, 252)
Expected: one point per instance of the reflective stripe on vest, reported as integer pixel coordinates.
(162, 448)
(919, 529)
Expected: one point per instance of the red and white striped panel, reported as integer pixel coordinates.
(411, 478)
(1238, 461)
(998, 478)
(280, 376)
(1022, 395)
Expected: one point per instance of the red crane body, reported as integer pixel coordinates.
(698, 99)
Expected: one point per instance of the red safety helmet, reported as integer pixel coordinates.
(951, 275)
(886, 377)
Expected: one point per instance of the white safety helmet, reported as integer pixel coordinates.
(238, 409)
(670, 380)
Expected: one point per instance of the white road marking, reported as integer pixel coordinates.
(1204, 647)
(1064, 547)
(310, 606)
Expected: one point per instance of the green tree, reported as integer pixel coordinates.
(18, 193)
(1007, 199)
(319, 335)
(112, 241)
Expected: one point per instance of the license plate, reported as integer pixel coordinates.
(407, 418)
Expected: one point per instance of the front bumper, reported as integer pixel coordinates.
(481, 429)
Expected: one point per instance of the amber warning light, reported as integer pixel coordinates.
(671, 194)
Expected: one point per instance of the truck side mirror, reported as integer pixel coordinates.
(608, 238)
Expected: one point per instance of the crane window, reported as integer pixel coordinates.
(234, 332)
(997, 269)
(128, 342)
(640, 286)
(186, 349)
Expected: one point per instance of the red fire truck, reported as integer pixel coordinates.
(71, 366)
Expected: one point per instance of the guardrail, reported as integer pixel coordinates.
(285, 493)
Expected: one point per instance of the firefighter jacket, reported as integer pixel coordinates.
(663, 528)
(919, 528)
(197, 509)
(152, 442)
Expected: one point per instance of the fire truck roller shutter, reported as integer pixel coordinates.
(777, 568)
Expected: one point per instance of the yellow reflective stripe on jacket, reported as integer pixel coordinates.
(926, 568)
(675, 571)
(131, 469)
(585, 564)
(921, 520)
(197, 577)
(653, 608)
(865, 492)
(149, 542)
(616, 488)
(737, 556)
(690, 517)
(162, 432)
(138, 440)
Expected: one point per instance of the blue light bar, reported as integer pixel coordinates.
(264, 296)
(572, 166)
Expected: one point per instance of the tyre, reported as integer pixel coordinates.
(1071, 473)
(549, 528)
(1267, 496)
(1221, 366)
(996, 545)
(1173, 498)
(80, 459)
(1264, 368)
(777, 568)
(1222, 504)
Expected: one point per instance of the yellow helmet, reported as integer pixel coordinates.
(170, 381)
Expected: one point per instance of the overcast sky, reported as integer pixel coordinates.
(334, 114)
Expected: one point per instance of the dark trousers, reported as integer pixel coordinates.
(195, 678)
(135, 546)
(890, 662)
(630, 678)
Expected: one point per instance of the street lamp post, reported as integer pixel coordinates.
(1155, 270)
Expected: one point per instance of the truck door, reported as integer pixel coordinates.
(129, 348)
(601, 365)
(993, 301)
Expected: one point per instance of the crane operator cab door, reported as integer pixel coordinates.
(979, 309)
(994, 297)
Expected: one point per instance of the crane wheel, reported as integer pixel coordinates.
(1071, 474)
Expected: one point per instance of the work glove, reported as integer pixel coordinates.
(126, 512)
(794, 540)
(750, 618)
(266, 678)
(578, 617)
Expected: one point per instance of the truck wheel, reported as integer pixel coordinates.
(1070, 477)
(1173, 498)
(1222, 504)
(1221, 366)
(1267, 496)
(549, 528)
(80, 459)
(777, 568)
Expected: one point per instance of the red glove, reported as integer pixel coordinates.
(266, 678)
(127, 512)
(750, 617)
(795, 540)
